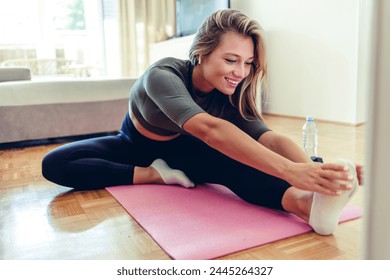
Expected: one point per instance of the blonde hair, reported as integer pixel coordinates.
(207, 39)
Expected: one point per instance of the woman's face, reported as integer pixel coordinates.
(227, 65)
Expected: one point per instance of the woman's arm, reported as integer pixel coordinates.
(287, 148)
(231, 141)
(283, 146)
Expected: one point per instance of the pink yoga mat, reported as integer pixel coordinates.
(208, 221)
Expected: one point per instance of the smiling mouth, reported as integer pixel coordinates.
(231, 82)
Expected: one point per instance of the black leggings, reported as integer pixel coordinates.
(109, 161)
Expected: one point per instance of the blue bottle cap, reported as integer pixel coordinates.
(309, 119)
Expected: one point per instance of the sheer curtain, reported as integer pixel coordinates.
(143, 22)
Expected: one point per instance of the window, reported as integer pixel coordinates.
(62, 38)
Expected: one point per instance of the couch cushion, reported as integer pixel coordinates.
(67, 91)
(14, 74)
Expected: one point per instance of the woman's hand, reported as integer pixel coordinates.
(327, 178)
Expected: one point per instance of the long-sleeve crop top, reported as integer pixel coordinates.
(163, 99)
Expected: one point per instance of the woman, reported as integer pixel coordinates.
(196, 121)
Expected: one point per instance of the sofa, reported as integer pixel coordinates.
(37, 110)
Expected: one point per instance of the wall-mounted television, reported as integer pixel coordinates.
(191, 13)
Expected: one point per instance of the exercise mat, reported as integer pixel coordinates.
(208, 221)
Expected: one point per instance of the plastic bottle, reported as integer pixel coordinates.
(310, 137)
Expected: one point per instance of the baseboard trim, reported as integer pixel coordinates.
(317, 120)
(50, 141)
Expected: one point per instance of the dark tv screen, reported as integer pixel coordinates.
(191, 13)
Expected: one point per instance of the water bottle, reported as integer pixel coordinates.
(309, 137)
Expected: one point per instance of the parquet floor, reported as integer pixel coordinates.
(41, 220)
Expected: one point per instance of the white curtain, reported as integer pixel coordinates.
(143, 22)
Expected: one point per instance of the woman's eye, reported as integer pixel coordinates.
(230, 60)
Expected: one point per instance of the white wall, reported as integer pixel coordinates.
(318, 56)
(178, 47)
(313, 57)
(364, 59)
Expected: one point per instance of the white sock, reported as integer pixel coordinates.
(171, 176)
(326, 209)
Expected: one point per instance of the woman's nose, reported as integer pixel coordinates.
(239, 71)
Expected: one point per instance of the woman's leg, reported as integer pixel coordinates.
(204, 164)
(127, 158)
(92, 163)
(109, 161)
(298, 202)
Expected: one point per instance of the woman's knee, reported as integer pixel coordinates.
(52, 168)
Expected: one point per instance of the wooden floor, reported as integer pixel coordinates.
(41, 220)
